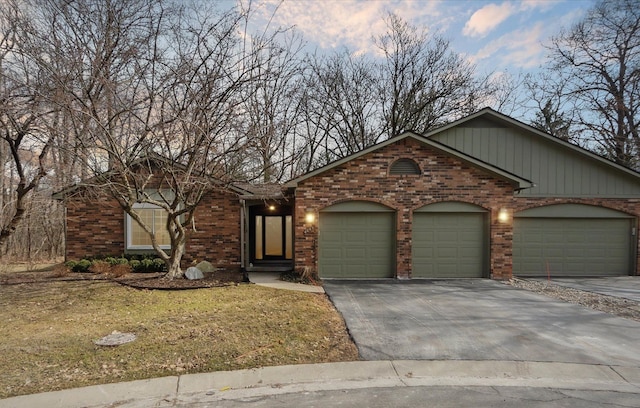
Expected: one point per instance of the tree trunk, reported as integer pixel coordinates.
(173, 262)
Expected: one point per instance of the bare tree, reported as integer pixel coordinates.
(554, 113)
(272, 107)
(423, 83)
(599, 58)
(339, 91)
(25, 143)
(155, 94)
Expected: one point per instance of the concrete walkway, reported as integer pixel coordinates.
(272, 280)
(235, 387)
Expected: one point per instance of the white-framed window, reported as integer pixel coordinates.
(154, 217)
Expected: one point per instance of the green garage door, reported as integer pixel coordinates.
(449, 244)
(572, 246)
(356, 244)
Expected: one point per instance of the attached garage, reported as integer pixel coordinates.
(449, 241)
(356, 240)
(572, 240)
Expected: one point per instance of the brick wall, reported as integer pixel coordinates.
(95, 226)
(444, 178)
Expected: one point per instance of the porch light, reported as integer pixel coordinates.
(503, 215)
(272, 207)
(310, 218)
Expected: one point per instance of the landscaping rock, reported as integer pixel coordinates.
(205, 266)
(115, 339)
(193, 273)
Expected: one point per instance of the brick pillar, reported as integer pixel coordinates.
(501, 245)
(403, 243)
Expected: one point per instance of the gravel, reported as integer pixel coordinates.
(621, 307)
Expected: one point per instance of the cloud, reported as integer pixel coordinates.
(488, 18)
(542, 5)
(352, 23)
(520, 48)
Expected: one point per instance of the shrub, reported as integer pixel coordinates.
(82, 265)
(71, 264)
(61, 270)
(147, 265)
(136, 266)
(101, 267)
(119, 270)
(159, 265)
(111, 260)
(122, 261)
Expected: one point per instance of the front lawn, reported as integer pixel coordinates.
(47, 331)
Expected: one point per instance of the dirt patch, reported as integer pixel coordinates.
(621, 307)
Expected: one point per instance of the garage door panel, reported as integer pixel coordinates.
(356, 245)
(571, 246)
(448, 245)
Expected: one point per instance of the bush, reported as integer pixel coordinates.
(136, 265)
(119, 270)
(159, 265)
(122, 261)
(101, 267)
(82, 265)
(146, 265)
(111, 260)
(128, 262)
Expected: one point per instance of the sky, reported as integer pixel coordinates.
(498, 36)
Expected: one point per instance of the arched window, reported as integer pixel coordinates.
(404, 167)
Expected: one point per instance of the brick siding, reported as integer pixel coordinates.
(444, 178)
(95, 226)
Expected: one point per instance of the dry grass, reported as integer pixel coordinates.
(48, 329)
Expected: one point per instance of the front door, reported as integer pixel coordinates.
(271, 235)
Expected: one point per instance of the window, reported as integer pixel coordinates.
(404, 167)
(154, 217)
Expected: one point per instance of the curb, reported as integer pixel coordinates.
(231, 385)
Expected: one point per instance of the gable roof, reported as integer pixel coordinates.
(518, 182)
(511, 122)
(60, 195)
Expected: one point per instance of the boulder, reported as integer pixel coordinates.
(115, 339)
(193, 273)
(205, 266)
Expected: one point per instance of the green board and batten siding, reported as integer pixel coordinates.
(557, 169)
(356, 240)
(572, 240)
(449, 241)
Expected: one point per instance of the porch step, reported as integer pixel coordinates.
(269, 268)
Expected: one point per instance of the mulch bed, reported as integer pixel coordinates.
(135, 280)
(157, 281)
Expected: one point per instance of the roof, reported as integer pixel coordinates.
(518, 182)
(509, 121)
(240, 189)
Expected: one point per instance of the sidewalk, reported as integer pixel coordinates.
(272, 280)
(201, 389)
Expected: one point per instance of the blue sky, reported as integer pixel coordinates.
(496, 35)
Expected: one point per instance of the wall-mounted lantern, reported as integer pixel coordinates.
(310, 218)
(503, 216)
(309, 222)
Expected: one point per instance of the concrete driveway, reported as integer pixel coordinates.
(478, 320)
